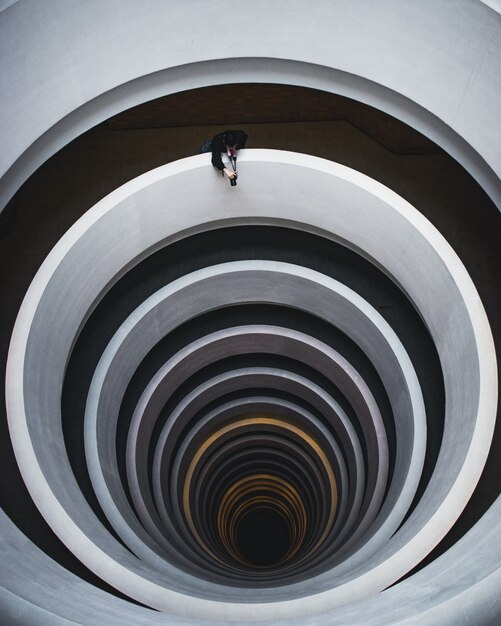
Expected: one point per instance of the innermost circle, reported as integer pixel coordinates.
(263, 537)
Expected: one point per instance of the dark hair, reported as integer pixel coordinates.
(229, 139)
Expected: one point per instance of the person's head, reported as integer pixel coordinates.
(230, 140)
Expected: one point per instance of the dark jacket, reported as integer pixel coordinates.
(219, 145)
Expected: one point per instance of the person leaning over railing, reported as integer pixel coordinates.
(222, 142)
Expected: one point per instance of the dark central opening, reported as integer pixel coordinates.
(263, 537)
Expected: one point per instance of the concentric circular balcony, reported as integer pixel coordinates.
(273, 403)
(252, 396)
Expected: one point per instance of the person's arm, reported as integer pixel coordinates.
(217, 148)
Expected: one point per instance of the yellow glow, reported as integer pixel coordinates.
(279, 486)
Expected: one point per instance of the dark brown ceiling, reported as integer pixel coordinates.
(257, 103)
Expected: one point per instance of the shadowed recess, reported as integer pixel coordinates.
(263, 537)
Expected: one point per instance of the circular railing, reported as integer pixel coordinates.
(253, 420)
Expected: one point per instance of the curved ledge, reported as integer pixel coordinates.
(339, 203)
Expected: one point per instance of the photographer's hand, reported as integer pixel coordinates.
(230, 173)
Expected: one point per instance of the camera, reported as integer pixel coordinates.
(233, 181)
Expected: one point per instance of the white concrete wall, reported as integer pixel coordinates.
(316, 196)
